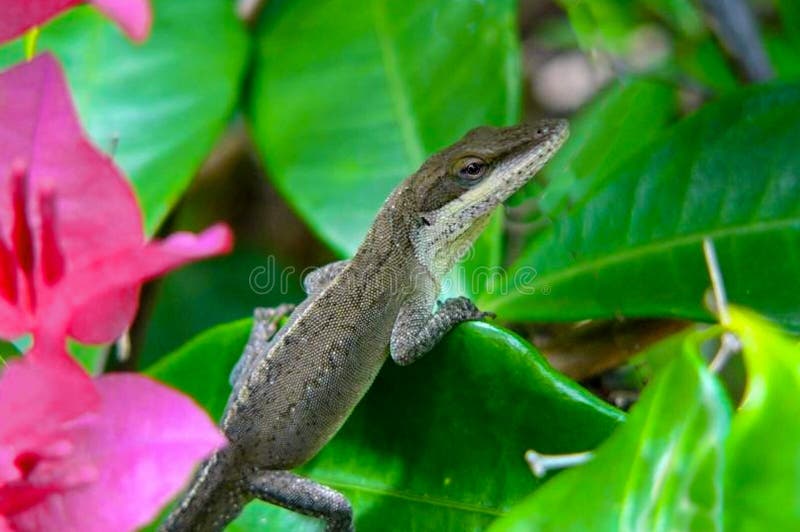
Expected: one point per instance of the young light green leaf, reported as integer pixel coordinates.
(762, 483)
(728, 172)
(347, 102)
(662, 470)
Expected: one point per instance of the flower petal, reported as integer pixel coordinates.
(92, 220)
(38, 403)
(38, 126)
(133, 16)
(13, 323)
(37, 397)
(145, 445)
(98, 291)
(18, 16)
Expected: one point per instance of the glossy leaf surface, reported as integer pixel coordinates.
(730, 173)
(347, 100)
(662, 470)
(439, 442)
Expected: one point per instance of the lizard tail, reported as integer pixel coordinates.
(213, 500)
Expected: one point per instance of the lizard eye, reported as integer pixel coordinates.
(470, 170)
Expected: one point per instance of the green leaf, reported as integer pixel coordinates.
(790, 19)
(166, 101)
(214, 291)
(349, 98)
(201, 367)
(783, 51)
(616, 124)
(438, 444)
(7, 351)
(682, 15)
(705, 61)
(605, 24)
(728, 172)
(762, 484)
(91, 357)
(662, 470)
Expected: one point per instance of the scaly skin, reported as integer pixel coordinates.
(294, 388)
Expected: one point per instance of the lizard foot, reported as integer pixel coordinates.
(464, 309)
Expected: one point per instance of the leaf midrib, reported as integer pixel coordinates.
(401, 100)
(419, 499)
(643, 250)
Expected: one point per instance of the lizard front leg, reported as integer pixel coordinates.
(417, 329)
(305, 496)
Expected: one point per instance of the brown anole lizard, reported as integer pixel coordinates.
(294, 387)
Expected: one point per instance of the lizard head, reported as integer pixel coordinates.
(457, 189)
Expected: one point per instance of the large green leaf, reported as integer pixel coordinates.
(214, 291)
(762, 483)
(201, 367)
(729, 172)
(166, 100)
(437, 445)
(350, 97)
(661, 471)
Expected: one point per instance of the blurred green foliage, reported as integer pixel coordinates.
(343, 99)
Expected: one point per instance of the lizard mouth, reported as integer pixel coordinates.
(535, 145)
(453, 227)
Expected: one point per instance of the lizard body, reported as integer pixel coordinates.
(295, 387)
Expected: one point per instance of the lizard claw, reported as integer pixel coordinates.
(464, 307)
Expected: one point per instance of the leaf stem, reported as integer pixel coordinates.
(729, 344)
(541, 464)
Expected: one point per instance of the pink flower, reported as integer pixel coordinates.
(133, 16)
(77, 453)
(92, 455)
(72, 249)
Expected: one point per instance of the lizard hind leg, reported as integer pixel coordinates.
(265, 325)
(303, 495)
